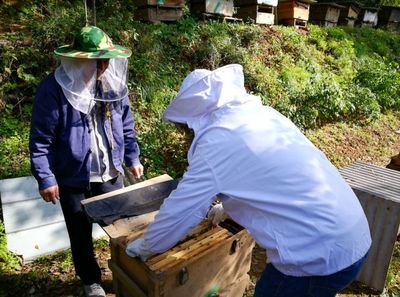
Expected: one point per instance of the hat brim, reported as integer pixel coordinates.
(116, 52)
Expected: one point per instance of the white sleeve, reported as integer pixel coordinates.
(185, 207)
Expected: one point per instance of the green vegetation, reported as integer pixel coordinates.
(8, 261)
(316, 77)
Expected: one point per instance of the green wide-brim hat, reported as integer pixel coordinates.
(92, 43)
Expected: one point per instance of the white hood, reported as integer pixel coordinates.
(203, 92)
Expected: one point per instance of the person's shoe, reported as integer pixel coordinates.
(94, 290)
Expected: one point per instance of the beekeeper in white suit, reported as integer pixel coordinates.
(271, 179)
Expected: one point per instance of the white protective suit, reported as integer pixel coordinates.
(271, 179)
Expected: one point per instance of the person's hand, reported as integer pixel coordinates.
(50, 194)
(217, 214)
(138, 248)
(137, 171)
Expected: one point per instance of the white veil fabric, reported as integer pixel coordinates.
(77, 78)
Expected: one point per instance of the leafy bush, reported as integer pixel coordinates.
(8, 261)
(382, 77)
(324, 75)
(14, 154)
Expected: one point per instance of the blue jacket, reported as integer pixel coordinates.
(59, 139)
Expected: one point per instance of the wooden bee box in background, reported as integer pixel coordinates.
(156, 11)
(389, 17)
(259, 11)
(349, 13)
(325, 14)
(368, 17)
(214, 7)
(294, 12)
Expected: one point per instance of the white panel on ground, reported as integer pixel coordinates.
(33, 227)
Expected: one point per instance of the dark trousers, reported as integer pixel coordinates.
(273, 283)
(80, 228)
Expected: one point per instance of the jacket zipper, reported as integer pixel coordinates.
(108, 116)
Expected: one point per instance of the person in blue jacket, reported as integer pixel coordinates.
(82, 132)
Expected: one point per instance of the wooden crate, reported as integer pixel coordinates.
(156, 14)
(208, 259)
(291, 10)
(350, 10)
(348, 14)
(325, 14)
(260, 14)
(389, 17)
(368, 17)
(217, 7)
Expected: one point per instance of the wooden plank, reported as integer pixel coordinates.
(123, 227)
(146, 183)
(295, 23)
(120, 275)
(236, 288)
(199, 232)
(134, 268)
(131, 201)
(216, 266)
(290, 10)
(190, 251)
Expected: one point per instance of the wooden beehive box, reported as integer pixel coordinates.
(213, 7)
(348, 14)
(159, 10)
(259, 11)
(325, 14)
(294, 12)
(368, 17)
(389, 17)
(209, 259)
